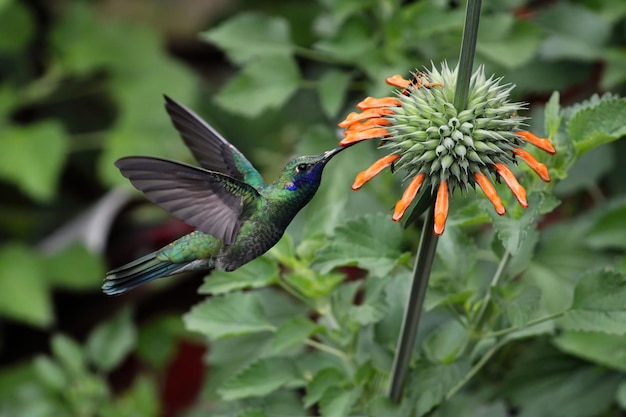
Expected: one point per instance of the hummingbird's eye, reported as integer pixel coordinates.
(302, 167)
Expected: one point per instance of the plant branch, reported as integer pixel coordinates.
(530, 323)
(480, 317)
(410, 322)
(475, 369)
(327, 349)
(468, 50)
(428, 240)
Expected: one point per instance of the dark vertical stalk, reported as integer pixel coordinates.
(421, 273)
(428, 241)
(468, 50)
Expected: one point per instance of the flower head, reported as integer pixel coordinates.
(440, 147)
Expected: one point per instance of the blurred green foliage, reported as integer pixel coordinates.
(81, 85)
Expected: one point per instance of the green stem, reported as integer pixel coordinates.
(483, 360)
(410, 323)
(480, 317)
(477, 367)
(285, 286)
(428, 240)
(327, 349)
(468, 50)
(530, 323)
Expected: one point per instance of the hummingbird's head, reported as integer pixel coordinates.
(305, 172)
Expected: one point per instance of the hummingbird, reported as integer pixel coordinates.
(236, 215)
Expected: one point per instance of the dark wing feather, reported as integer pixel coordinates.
(209, 148)
(209, 201)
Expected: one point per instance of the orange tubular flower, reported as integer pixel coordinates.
(364, 176)
(541, 143)
(441, 208)
(446, 148)
(518, 191)
(537, 166)
(407, 197)
(490, 192)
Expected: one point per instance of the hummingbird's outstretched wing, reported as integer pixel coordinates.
(209, 148)
(209, 201)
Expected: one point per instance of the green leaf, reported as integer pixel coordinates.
(260, 272)
(253, 413)
(575, 32)
(332, 90)
(508, 41)
(575, 21)
(260, 379)
(311, 284)
(251, 35)
(24, 294)
(324, 380)
(597, 125)
(598, 304)
(32, 157)
(557, 389)
(110, 342)
(560, 47)
(228, 315)
(370, 242)
(429, 384)
(613, 72)
(512, 232)
(337, 403)
(609, 229)
(292, 333)
(50, 373)
(264, 83)
(368, 313)
(446, 343)
(552, 114)
(520, 308)
(17, 27)
(142, 399)
(69, 354)
(158, 339)
(352, 43)
(381, 405)
(604, 349)
(75, 267)
(458, 253)
(230, 356)
(620, 397)
(587, 171)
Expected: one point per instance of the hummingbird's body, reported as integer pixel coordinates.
(237, 216)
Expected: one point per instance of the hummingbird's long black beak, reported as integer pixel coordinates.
(329, 154)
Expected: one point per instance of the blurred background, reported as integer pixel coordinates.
(81, 84)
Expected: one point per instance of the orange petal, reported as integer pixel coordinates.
(371, 102)
(375, 122)
(359, 135)
(541, 143)
(441, 208)
(490, 192)
(398, 81)
(537, 166)
(367, 114)
(364, 176)
(407, 197)
(511, 181)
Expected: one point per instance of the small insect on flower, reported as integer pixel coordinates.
(441, 147)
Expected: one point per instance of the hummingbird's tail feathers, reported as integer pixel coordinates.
(138, 272)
